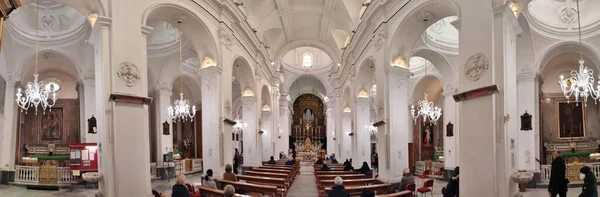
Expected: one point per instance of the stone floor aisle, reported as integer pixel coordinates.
(304, 185)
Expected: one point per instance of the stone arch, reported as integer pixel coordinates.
(564, 47)
(333, 54)
(244, 75)
(28, 63)
(295, 82)
(265, 97)
(365, 74)
(403, 41)
(194, 27)
(448, 73)
(190, 82)
(84, 7)
(421, 86)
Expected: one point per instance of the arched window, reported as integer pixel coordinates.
(307, 60)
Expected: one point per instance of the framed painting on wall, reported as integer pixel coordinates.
(571, 120)
(427, 136)
(52, 125)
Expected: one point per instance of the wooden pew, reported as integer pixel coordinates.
(405, 193)
(357, 190)
(344, 177)
(278, 182)
(347, 183)
(255, 188)
(212, 192)
(281, 168)
(268, 174)
(334, 172)
(282, 171)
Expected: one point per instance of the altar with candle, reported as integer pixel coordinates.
(308, 128)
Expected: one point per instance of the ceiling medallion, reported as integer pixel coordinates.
(129, 73)
(568, 15)
(228, 107)
(475, 67)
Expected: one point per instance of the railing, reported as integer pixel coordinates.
(64, 175)
(27, 174)
(152, 169)
(572, 172)
(435, 166)
(419, 167)
(196, 164)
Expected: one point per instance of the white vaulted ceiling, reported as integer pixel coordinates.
(559, 17)
(314, 23)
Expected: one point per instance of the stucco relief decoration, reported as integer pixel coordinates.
(226, 37)
(49, 55)
(568, 14)
(475, 67)
(399, 62)
(228, 107)
(129, 73)
(248, 92)
(266, 108)
(363, 94)
(437, 29)
(347, 109)
(380, 39)
(49, 22)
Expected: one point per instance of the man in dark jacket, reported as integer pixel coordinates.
(558, 181)
(451, 190)
(589, 183)
(272, 160)
(338, 189)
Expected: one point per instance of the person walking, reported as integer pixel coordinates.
(589, 182)
(558, 181)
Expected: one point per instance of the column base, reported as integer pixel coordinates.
(7, 176)
(448, 174)
(166, 172)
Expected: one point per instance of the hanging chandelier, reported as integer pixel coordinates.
(427, 110)
(181, 110)
(581, 83)
(36, 92)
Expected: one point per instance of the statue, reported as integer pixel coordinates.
(307, 145)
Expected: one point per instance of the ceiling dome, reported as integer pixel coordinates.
(443, 33)
(559, 17)
(307, 59)
(55, 20)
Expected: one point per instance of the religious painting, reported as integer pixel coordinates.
(2, 94)
(427, 136)
(52, 124)
(571, 120)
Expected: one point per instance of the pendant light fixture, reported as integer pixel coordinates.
(181, 109)
(581, 83)
(36, 94)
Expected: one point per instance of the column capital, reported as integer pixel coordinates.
(104, 21)
(449, 91)
(509, 17)
(248, 100)
(362, 100)
(164, 87)
(398, 71)
(266, 113)
(526, 74)
(210, 71)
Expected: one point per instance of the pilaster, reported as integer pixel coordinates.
(162, 102)
(348, 151)
(451, 115)
(528, 92)
(362, 137)
(251, 146)
(283, 140)
(8, 138)
(267, 132)
(331, 133)
(89, 108)
(212, 150)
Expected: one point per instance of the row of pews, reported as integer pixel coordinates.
(267, 180)
(354, 182)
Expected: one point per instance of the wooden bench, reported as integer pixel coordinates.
(334, 172)
(278, 182)
(357, 190)
(254, 188)
(290, 173)
(294, 170)
(344, 177)
(268, 174)
(212, 192)
(405, 193)
(347, 183)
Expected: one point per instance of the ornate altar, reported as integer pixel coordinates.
(572, 150)
(308, 126)
(48, 174)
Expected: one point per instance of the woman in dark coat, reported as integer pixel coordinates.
(451, 190)
(558, 181)
(179, 189)
(364, 169)
(589, 183)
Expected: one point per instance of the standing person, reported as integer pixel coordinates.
(558, 181)
(236, 160)
(589, 182)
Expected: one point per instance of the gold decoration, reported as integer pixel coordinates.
(399, 62)
(347, 109)
(266, 107)
(48, 174)
(573, 171)
(208, 62)
(248, 92)
(92, 18)
(363, 94)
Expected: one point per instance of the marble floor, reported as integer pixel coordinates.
(304, 185)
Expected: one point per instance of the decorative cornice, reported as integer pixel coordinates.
(146, 30)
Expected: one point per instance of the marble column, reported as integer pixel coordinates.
(164, 143)
(251, 146)
(284, 125)
(8, 138)
(89, 108)
(488, 124)
(266, 136)
(330, 113)
(347, 152)
(451, 115)
(397, 125)
(528, 92)
(213, 136)
(362, 134)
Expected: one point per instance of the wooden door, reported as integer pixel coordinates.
(411, 157)
(198, 131)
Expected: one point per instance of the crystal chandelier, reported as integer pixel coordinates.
(36, 93)
(427, 110)
(181, 110)
(581, 83)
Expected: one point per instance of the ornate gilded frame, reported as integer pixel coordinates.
(557, 118)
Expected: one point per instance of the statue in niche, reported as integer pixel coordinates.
(308, 115)
(51, 127)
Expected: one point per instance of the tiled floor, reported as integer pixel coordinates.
(304, 184)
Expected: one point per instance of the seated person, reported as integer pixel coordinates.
(325, 168)
(338, 189)
(229, 191)
(179, 189)
(348, 166)
(208, 180)
(407, 178)
(272, 160)
(289, 162)
(319, 161)
(367, 193)
(334, 160)
(364, 169)
(332, 156)
(451, 190)
(229, 175)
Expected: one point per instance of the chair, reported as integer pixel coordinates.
(439, 174)
(156, 193)
(425, 174)
(427, 188)
(412, 188)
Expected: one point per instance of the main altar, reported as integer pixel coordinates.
(308, 128)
